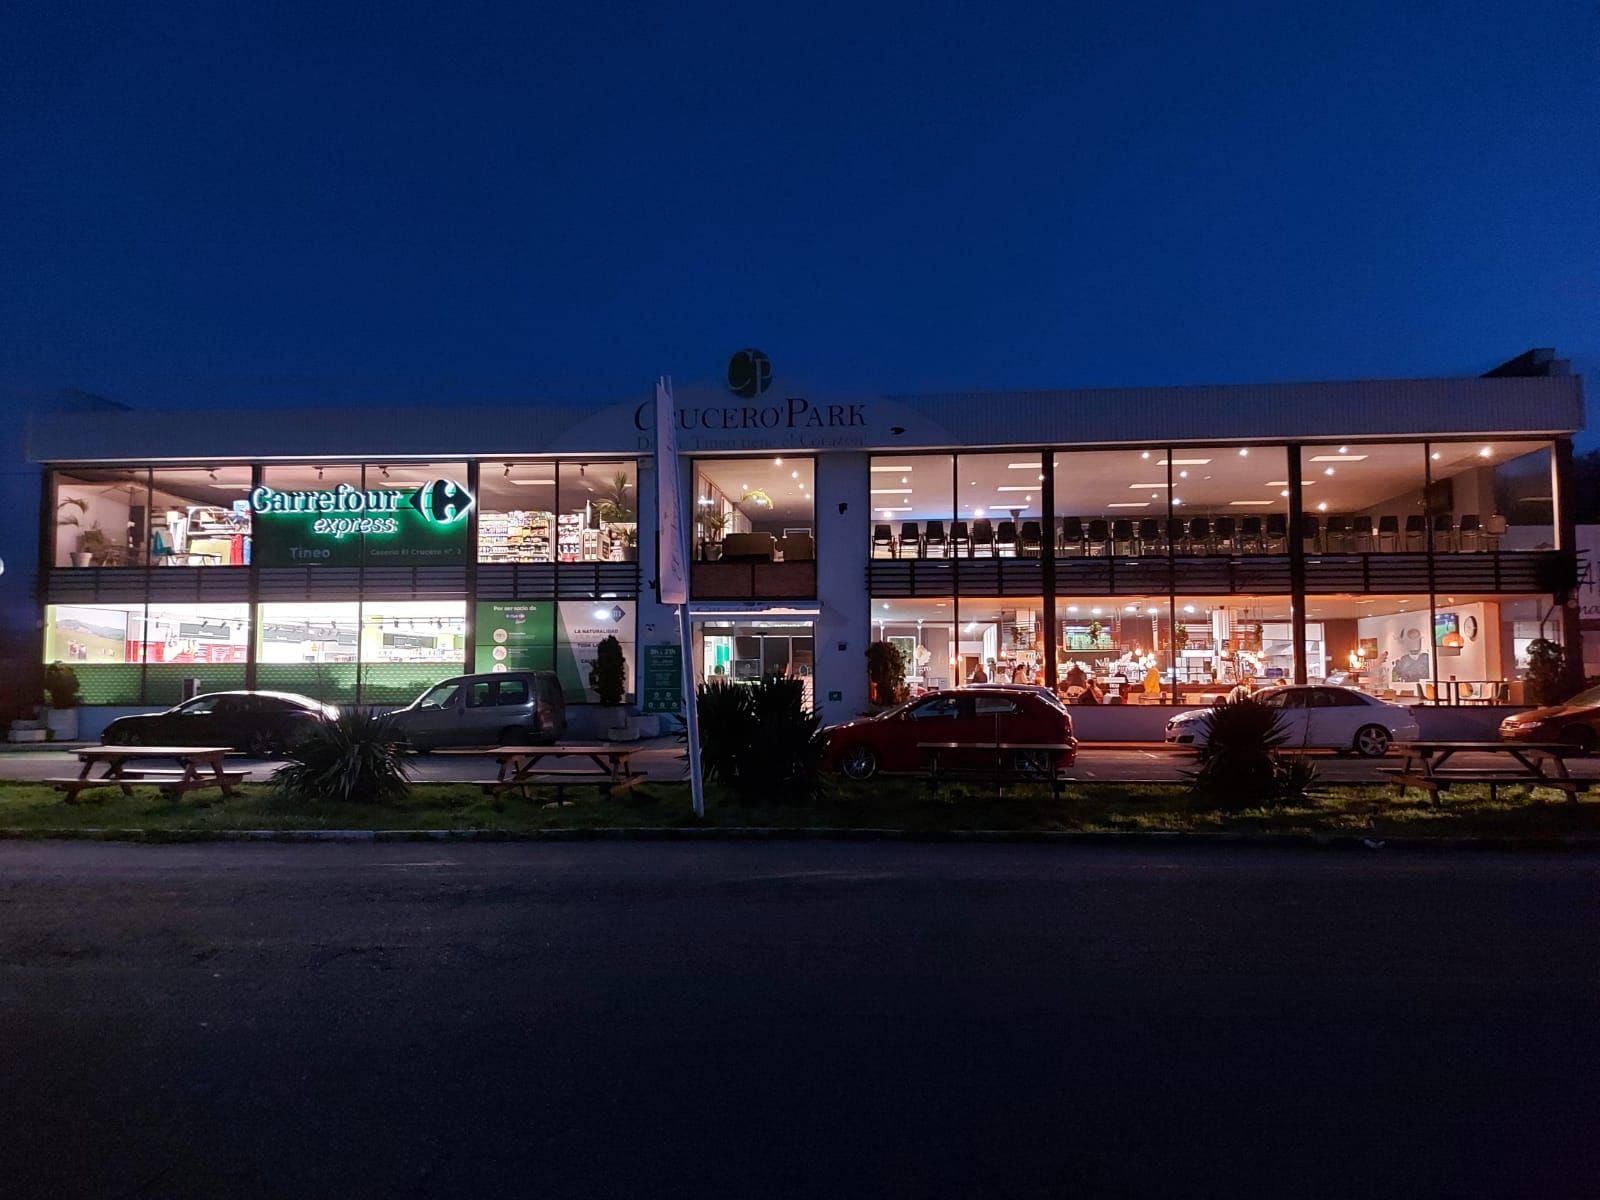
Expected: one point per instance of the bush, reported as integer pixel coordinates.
(355, 758)
(760, 740)
(61, 686)
(886, 669)
(609, 678)
(1553, 676)
(1240, 766)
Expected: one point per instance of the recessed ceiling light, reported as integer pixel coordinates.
(1344, 449)
(1182, 462)
(1027, 466)
(891, 491)
(777, 462)
(1094, 612)
(1251, 503)
(1183, 474)
(1323, 507)
(1146, 454)
(1485, 452)
(1072, 608)
(1189, 608)
(1285, 492)
(1327, 470)
(1130, 608)
(796, 475)
(1019, 487)
(1341, 457)
(1129, 504)
(1435, 456)
(1135, 486)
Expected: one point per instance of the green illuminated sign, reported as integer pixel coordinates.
(346, 526)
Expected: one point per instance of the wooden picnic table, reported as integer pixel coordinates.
(609, 767)
(1029, 772)
(198, 767)
(1425, 766)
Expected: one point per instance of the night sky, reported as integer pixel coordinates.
(432, 203)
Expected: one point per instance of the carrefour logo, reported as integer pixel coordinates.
(348, 510)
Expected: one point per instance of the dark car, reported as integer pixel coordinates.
(983, 716)
(1575, 723)
(259, 723)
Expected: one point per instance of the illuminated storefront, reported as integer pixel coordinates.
(1405, 537)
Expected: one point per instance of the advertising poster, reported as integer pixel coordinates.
(516, 635)
(346, 526)
(661, 690)
(581, 626)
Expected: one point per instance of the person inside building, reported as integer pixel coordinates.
(1091, 693)
(1075, 677)
(979, 675)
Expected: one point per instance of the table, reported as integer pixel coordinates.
(610, 767)
(188, 776)
(1027, 773)
(1536, 764)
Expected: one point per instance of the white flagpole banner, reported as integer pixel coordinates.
(672, 579)
(672, 575)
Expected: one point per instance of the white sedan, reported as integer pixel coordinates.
(1320, 717)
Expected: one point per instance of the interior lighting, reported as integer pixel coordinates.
(1327, 470)
(1014, 487)
(777, 462)
(1129, 504)
(891, 467)
(1139, 486)
(1094, 612)
(1182, 462)
(1485, 452)
(1344, 456)
(1146, 454)
(1072, 608)
(1244, 452)
(539, 482)
(1150, 612)
(1344, 449)
(887, 491)
(1251, 503)
(1130, 608)
(1434, 456)
(977, 512)
(796, 475)
(1323, 507)
(1183, 474)
(1188, 608)
(1028, 466)
(1284, 493)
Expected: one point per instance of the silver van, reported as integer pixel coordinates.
(504, 708)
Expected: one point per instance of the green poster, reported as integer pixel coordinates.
(662, 691)
(345, 526)
(515, 635)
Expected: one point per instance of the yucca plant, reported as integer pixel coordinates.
(1238, 768)
(355, 758)
(760, 740)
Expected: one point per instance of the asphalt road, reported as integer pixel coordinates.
(664, 760)
(816, 1020)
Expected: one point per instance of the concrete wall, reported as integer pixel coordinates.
(844, 627)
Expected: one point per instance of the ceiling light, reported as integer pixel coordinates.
(1183, 474)
(539, 483)
(890, 467)
(1129, 504)
(1251, 503)
(796, 475)
(1344, 449)
(977, 512)
(1176, 502)
(903, 479)
(1435, 456)
(1130, 608)
(1485, 452)
(1137, 486)
(1182, 462)
(1149, 612)
(1189, 608)
(1146, 454)
(1342, 456)
(1027, 466)
(1327, 470)
(1072, 608)
(887, 491)
(1244, 452)
(972, 483)
(1277, 483)
(777, 462)
(1285, 492)
(1323, 507)
(1094, 612)
(1015, 487)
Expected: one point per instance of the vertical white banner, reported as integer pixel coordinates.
(672, 576)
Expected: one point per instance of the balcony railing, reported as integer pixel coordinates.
(747, 579)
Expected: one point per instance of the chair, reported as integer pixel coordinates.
(1471, 527)
(1361, 533)
(1389, 527)
(910, 539)
(883, 538)
(1444, 528)
(1336, 534)
(1005, 538)
(1032, 543)
(1416, 532)
(1493, 530)
(1122, 535)
(1278, 530)
(960, 539)
(1250, 534)
(1467, 693)
(1149, 535)
(1428, 692)
(749, 547)
(933, 536)
(797, 547)
(1073, 538)
(1226, 532)
(1200, 535)
(1099, 535)
(983, 536)
(1177, 534)
(1311, 531)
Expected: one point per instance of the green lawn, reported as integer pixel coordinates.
(894, 804)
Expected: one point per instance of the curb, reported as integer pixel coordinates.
(1304, 841)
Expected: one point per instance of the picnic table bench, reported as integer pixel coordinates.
(606, 766)
(198, 767)
(1532, 764)
(1014, 762)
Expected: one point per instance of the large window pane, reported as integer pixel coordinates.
(1112, 640)
(102, 517)
(582, 626)
(1003, 636)
(599, 512)
(913, 505)
(757, 509)
(310, 649)
(406, 646)
(997, 496)
(517, 512)
(102, 643)
(1221, 642)
(1230, 499)
(1494, 495)
(1361, 498)
(924, 632)
(208, 642)
(1105, 500)
(200, 517)
(744, 651)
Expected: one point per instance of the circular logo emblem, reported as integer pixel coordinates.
(500, 636)
(749, 373)
(442, 502)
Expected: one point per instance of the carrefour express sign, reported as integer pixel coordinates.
(349, 526)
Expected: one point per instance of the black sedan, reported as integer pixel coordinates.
(259, 723)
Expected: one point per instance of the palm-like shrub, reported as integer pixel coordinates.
(760, 740)
(355, 758)
(1240, 766)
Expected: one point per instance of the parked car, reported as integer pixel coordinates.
(891, 740)
(1318, 717)
(259, 723)
(504, 708)
(1575, 723)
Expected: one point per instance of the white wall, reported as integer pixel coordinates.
(844, 627)
(107, 509)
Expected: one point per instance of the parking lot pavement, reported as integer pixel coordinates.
(663, 760)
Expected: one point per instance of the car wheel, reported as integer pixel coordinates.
(128, 737)
(1580, 737)
(261, 744)
(1372, 741)
(859, 762)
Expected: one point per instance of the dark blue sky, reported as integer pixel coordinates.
(369, 202)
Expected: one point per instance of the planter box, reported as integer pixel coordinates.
(62, 724)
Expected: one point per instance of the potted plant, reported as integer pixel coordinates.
(630, 543)
(886, 670)
(68, 513)
(609, 678)
(615, 505)
(712, 522)
(94, 548)
(61, 702)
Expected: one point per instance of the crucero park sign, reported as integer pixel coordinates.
(347, 525)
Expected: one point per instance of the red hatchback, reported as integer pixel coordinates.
(1029, 726)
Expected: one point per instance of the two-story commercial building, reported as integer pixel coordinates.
(1407, 537)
